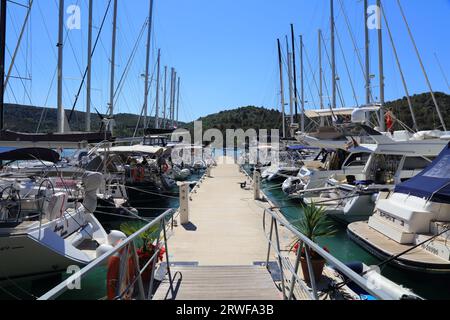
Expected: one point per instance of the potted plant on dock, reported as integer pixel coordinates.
(147, 247)
(314, 225)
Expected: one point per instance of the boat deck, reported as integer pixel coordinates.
(383, 246)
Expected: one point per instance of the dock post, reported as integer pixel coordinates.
(208, 172)
(257, 184)
(184, 203)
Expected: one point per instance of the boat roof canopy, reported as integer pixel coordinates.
(151, 150)
(433, 183)
(294, 147)
(29, 154)
(328, 113)
(355, 113)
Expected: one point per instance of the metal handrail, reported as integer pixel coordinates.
(274, 244)
(126, 245)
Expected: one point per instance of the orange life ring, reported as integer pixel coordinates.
(113, 285)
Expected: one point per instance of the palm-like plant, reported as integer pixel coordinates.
(147, 237)
(315, 223)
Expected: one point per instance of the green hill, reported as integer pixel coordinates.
(24, 118)
(424, 109)
(261, 118)
(245, 118)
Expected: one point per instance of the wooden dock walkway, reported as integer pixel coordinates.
(224, 239)
(226, 223)
(221, 254)
(219, 283)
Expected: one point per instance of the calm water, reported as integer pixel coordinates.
(427, 286)
(93, 287)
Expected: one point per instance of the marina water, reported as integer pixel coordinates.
(94, 286)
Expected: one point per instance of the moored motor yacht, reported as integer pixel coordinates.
(287, 165)
(353, 198)
(315, 173)
(413, 223)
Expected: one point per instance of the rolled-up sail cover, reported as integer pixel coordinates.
(91, 183)
(90, 137)
(24, 154)
(433, 183)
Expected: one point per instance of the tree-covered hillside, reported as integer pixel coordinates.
(424, 110)
(26, 118)
(261, 118)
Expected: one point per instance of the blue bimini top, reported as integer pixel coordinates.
(433, 183)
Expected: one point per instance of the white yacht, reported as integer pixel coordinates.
(353, 199)
(288, 165)
(43, 233)
(329, 163)
(412, 223)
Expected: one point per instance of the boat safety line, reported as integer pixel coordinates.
(118, 215)
(151, 193)
(346, 282)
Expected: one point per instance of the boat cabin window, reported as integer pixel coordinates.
(417, 163)
(357, 160)
(155, 141)
(383, 169)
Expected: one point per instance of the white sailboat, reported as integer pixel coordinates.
(44, 233)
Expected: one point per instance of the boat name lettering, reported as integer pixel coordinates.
(431, 250)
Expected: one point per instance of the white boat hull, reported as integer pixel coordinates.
(24, 256)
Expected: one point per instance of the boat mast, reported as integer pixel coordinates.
(320, 71)
(333, 58)
(174, 95)
(60, 112)
(280, 63)
(295, 72)
(113, 66)
(381, 67)
(367, 52)
(442, 70)
(158, 71)
(400, 69)
(3, 16)
(302, 85)
(178, 101)
(147, 64)
(19, 41)
(89, 71)
(423, 67)
(165, 99)
(291, 90)
(172, 91)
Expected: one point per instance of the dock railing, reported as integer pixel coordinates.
(130, 278)
(305, 248)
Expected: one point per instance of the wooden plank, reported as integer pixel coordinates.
(226, 223)
(220, 283)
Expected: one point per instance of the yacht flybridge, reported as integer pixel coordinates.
(412, 223)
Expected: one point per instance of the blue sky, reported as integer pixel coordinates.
(225, 51)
